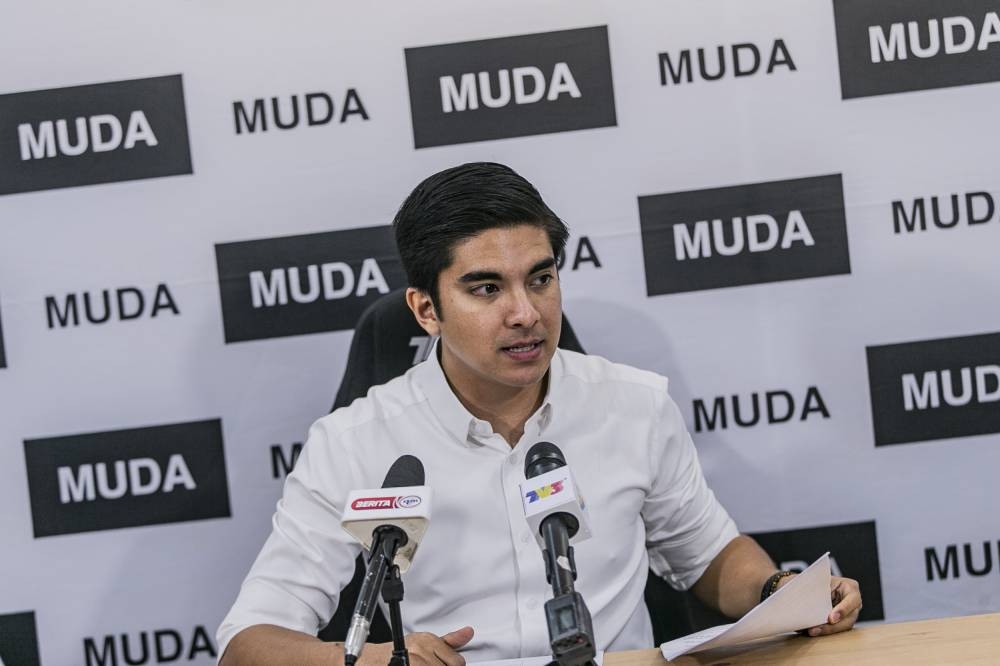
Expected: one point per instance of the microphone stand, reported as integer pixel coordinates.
(571, 631)
(392, 594)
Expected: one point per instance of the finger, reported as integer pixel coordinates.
(459, 638)
(423, 647)
(843, 625)
(448, 656)
(848, 600)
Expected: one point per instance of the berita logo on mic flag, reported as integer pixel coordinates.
(394, 502)
(408, 501)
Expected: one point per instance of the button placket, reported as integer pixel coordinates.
(512, 478)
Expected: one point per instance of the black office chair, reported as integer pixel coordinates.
(387, 342)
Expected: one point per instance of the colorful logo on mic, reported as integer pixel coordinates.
(545, 491)
(407, 502)
(372, 503)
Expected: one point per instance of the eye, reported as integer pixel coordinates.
(543, 279)
(485, 290)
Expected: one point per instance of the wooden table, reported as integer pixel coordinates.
(956, 640)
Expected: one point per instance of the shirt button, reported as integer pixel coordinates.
(525, 537)
(532, 604)
(512, 459)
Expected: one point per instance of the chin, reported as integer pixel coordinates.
(524, 380)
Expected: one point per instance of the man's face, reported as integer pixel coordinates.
(502, 312)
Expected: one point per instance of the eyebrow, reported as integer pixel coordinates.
(476, 276)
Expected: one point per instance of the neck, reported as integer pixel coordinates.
(505, 410)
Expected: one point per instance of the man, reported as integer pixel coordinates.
(479, 247)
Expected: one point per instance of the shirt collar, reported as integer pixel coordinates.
(458, 421)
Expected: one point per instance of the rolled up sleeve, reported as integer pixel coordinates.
(307, 559)
(686, 526)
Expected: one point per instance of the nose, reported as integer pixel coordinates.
(521, 312)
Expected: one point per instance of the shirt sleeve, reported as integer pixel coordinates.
(305, 562)
(686, 526)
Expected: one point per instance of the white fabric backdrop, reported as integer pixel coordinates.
(784, 335)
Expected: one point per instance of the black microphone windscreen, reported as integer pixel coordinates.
(542, 457)
(406, 471)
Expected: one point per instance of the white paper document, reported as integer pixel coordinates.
(802, 602)
(530, 661)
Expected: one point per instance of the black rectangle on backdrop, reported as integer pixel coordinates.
(3, 354)
(853, 554)
(673, 268)
(529, 64)
(935, 389)
(291, 285)
(126, 478)
(879, 55)
(18, 640)
(142, 128)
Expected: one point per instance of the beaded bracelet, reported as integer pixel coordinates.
(771, 585)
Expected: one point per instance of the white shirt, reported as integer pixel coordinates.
(478, 565)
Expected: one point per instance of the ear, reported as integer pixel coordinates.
(420, 304)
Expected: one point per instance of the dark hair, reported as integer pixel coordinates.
(459, 203)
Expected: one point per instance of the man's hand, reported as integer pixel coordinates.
(425, 649)
(846, 598)
(845, 595)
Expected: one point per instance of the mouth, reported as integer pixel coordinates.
(527, 350)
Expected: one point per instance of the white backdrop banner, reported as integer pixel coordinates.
(788, 207)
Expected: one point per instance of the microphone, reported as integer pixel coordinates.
(549, 491)
(390, 525)
(557, 514)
